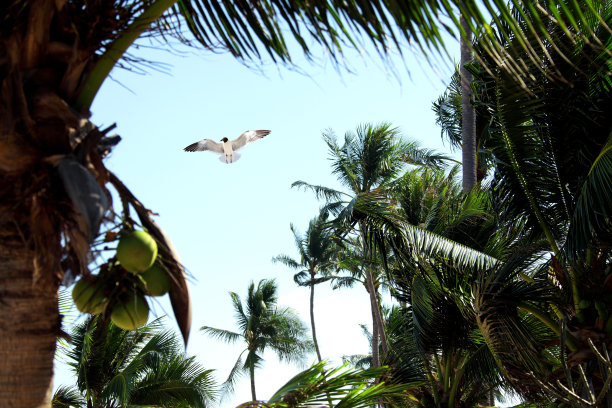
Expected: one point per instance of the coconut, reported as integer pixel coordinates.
(156, 280)
(131, 314)
(89, 297)
(136, 251)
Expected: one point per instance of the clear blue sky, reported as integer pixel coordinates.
(228, 221)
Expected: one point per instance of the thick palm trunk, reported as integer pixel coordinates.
(312, 321)
(468, 117)
(29, 324)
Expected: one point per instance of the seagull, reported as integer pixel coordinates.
(227, 149)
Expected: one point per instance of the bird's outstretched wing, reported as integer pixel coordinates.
(248, 137)
(205, 144)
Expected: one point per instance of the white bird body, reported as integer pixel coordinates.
(227, 149)
(229, 152)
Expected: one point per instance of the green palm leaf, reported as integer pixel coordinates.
(593, 211)
(177, 382)
(345, 387)
(67, 397)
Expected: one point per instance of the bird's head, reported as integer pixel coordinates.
(224, 140)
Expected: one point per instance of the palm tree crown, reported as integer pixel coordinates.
(115, 367)
(317, 251)
(262, 324)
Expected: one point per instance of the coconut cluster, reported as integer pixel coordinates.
(124, 282)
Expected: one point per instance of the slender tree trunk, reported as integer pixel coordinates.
(377, 321)
(252, 375)
(375, 341)
(468, 117)
(29, 324)
(312, 321)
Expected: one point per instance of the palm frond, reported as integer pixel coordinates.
(347, 388)
(321, 192)
(287, 261)
(425, 243)
(593, 211)
(413, 154)
(67, 397)
(178, 381)
(221, 334)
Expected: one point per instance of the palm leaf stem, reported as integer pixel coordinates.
(432, 381)
(455, 385)
(447, 372)
(572, 343)
(108, 60)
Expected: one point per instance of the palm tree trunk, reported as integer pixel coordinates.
(312, 321)
(468, 117)
(377, 322)
(29, 320)
(252, 375)
(375, 341)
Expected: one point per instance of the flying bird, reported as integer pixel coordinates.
(227, 149)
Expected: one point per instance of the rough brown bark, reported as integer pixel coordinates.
(29, 324)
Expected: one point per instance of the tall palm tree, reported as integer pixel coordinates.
(145, 367)
(366, 163)
(55, 55)
(317, 251)
(263, 325)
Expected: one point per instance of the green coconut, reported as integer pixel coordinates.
(156, 280)
(136, 251)
(132, 314)
(89, 297)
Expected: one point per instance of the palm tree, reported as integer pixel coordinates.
(317, 251)
(367, 163)
(544, 310)
(55, 55)
(262, 325)
(145, 367)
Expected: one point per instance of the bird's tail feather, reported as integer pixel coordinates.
(235, 157)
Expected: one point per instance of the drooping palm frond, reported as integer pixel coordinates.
(220, 334)
(593, 210)
(416, 155)
(426, 243)
(321, 193)
(348, 388)
(251, 32)
(287, 261)
(67, 397)
(176, 382)
(514, 337)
